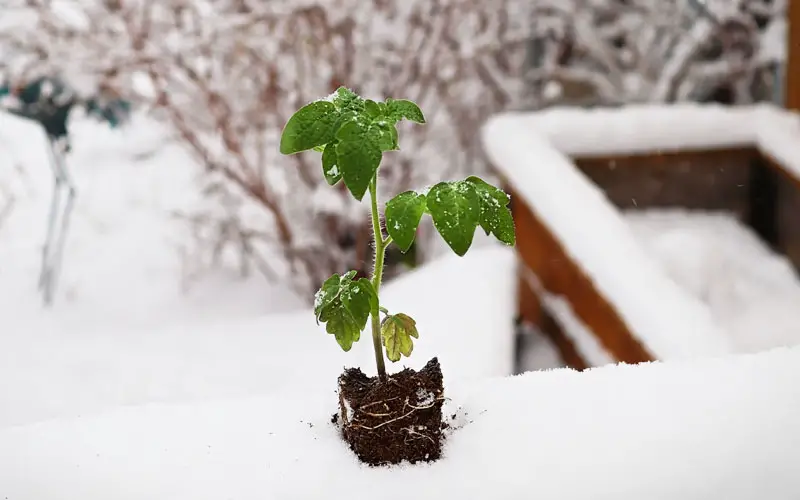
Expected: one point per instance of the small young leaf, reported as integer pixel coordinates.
(495, 215)
(403, 213)
(346, 100)
(325, 296)
(455, 208)
(396, 332)
(358, 157)
(312, 125)
(403, 108)
(385, 135)
(330, 167)
(372, 108)
(384, 108)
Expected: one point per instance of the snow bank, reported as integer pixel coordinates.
(664, 318)
(752, 291)
(720, 428)
(50, 374)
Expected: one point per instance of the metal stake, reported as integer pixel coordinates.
(52, 253)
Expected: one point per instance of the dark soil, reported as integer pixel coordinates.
(398, 420)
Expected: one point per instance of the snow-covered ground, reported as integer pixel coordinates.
(123, 259)
(752, 291)
(714, 428)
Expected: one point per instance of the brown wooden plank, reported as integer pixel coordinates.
(792, 75)
(566, 348)
(543, 254)
(529, 307)
(531, 311)
(785, 172)
(714, 179)
(645, 159)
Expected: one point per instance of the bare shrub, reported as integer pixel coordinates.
(226, 75)
(621, 51)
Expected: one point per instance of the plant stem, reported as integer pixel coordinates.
(380, 251)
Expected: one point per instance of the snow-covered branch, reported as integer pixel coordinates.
(226, 75)
(643, 50)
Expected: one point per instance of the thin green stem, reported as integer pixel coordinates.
(377, 276)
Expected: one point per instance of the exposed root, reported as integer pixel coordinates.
(376, 414)
(383, 402)
(405, 415)
(401, 417)
(411, 432)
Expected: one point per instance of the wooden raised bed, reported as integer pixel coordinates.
(745, 180)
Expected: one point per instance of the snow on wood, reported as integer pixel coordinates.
(777, 136)
(665, 319)
(652, 128)
(581, 335)
(715, 428)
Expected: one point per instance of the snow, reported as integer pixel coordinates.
(751, 291)
(716, 428)
(668, 322)
(537, 352)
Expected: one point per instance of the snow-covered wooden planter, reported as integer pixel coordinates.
(572, 172)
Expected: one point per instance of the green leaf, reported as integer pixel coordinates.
(495, 215)
(344, 306)
(344, 327)
(330, 167)
(403, 213)
(358, 157)
(398, 109)
(455, 208)
(312, 125)
(396, 332)
(360, 299)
